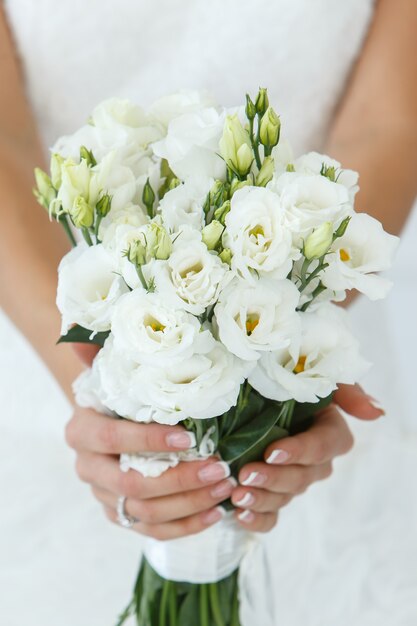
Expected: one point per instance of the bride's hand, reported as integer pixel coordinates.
(184, 499)
(293, 464)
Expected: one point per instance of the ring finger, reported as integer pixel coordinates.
(259, 500)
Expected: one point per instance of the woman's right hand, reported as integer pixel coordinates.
(182, 501)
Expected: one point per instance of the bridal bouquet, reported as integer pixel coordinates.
(206, 266)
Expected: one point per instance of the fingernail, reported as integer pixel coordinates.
(215, 515)
(181, 440)
(214, 471)
(247, 500)
(246, 516)
(278, 456)
(254, 478)
(375, 403)
(224, 489)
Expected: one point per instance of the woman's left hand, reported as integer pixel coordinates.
(294, 463)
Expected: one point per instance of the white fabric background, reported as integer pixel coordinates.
(343, 553)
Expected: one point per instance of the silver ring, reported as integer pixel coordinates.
(124, 520)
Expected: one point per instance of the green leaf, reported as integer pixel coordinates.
(244, 439)
(189, 608)
(78, 334)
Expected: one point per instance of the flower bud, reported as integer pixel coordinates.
(262, 101)
(235, 146)
(266, 172)
(320, 240)
(250, 108)
(88, 156)
(136, 252)
(290, 168)
(221, 212)
(174, 183)
(103, 206)
(238, 184)
(270, 128)
(82, 214)
(342, 228)
(56, 174)
(148, 198)
(158, 242)
(329, 171)
(226, 256)
(212, 233)
(44, 190)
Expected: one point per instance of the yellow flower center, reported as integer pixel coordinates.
(344, 255)
(301, 363)
(155, 324)
(258, 230)
(251, 323)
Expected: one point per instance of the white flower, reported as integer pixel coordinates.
(327, 355)
(118, 221)
(184, 205)
(257, 318)
(149, 332)
(192, 277)
(111, 176)
(257, 235)
(192, 144)
(167, 108)
(87, 391)
(203, 386)
(365, 248)
(88, 288)
(76, 181)
(309, 200)
(313, 162)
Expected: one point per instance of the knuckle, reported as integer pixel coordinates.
(320, 451)
(108, 435)
(71, 433)
(183, 476)
(349, 442)
(127, 484)
(328, 470)
(81, 469)
(146, 512)
(301, 481)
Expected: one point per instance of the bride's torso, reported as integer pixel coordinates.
(76, 53)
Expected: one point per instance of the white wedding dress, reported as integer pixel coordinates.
(346, 552)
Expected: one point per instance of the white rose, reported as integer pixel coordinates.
(116, 114)
(88, 288)
(327, 355)
(312, 163)
(151, 333)
(365, 248)
(203, 386)
(167, 108)
(309, 201)
(256, 234)
(184, 205)
(192, 277)
(255, 318)
(192, 144)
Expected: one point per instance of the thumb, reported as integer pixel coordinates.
(86, 352)
(353, 400)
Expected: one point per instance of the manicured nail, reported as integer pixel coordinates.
(254, 478)
(224, 489)
(246, 516)
(278, 456)
(376, 404)
(214, 471)
(215, 515)
(181, 440)
(247, 500)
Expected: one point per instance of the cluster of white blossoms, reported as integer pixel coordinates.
(205, 264)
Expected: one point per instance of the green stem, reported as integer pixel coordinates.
(173, 605)
(141, 277)
(97, 226)
(303, 273)
(204, 615)
(215, 605)
(235, 607)
(320, 287)
(126, 613)
(87, 236)
(63, 220)
(164, 603)
(255, 145)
